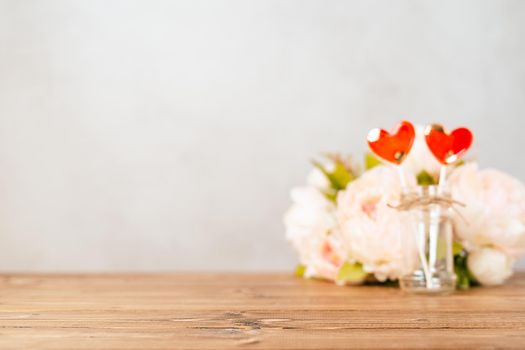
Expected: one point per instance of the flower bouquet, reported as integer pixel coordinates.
(346, 225)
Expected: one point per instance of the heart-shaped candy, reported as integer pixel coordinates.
(447, 147)
(392, 147)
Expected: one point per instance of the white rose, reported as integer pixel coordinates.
(318, 180)
(310, 215)
(494, 212)
(310, 224)
(489, 266)
(371, 230)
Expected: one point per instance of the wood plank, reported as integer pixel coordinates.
(259, 311)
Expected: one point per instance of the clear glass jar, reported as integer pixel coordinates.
(428, 261)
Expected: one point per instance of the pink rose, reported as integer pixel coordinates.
(371, 230)
(494, 215)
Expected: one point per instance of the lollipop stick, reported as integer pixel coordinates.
(402, 179)
(433, 231)
(420, 241)
(442, 177)
(422, 257)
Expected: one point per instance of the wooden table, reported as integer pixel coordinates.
(252, 311)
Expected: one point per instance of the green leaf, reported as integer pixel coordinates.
(371, 161)
(425, 179)
(464, 278)
(441, 249)
(331, 195)
(339, 177)
(351, 273)
(299, 271)
(457, 248)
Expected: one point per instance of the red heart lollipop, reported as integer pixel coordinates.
(392, 147)
(447, 147)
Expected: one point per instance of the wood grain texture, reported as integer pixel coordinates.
(252, 311)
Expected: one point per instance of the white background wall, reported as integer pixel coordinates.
(160, 135)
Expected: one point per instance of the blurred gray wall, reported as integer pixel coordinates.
(165, 135)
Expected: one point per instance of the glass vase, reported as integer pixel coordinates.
(428, 261)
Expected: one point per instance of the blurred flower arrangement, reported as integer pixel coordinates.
(345, 230)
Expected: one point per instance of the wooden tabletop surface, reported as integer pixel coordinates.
(251, 311)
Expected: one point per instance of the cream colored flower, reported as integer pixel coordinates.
(318, 180)
(494, 214)
(371, 230)
(490, 266)
(309, 226)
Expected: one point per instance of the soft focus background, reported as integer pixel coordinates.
(165, 135)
